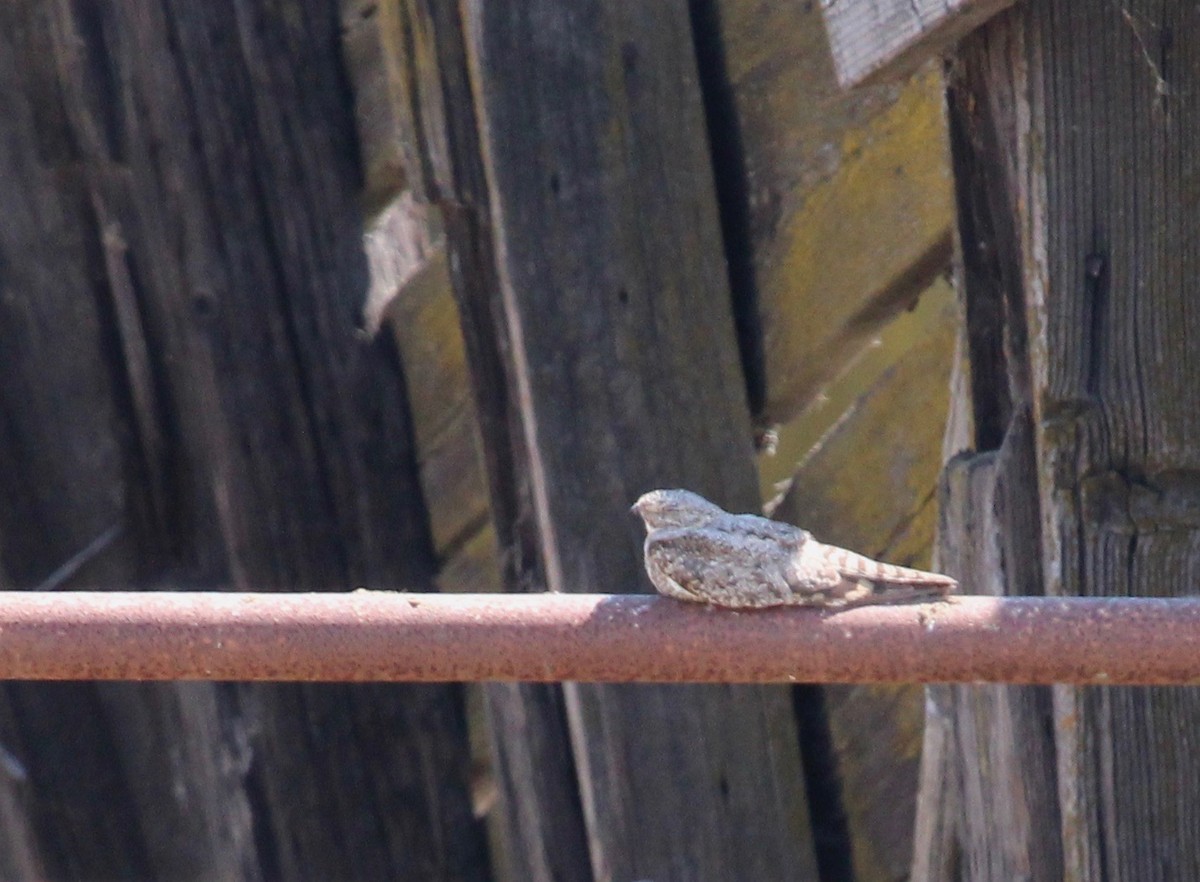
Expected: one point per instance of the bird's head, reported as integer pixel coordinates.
(675, 508)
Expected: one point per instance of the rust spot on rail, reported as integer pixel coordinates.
(378, 636)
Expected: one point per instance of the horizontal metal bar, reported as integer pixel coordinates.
(382, 636)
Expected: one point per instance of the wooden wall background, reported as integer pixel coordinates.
(425, 293)
(836, 219)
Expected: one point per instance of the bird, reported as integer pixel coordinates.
(696, 551)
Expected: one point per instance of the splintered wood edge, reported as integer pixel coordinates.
(877, 40)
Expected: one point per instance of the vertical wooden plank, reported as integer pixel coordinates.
(1112, 275)
(1005, 810)
(625, 371)
(1004, 806)
(188, 195)
(541, 816)
(1087, 106)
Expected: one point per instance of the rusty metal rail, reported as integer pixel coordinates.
(382, 636)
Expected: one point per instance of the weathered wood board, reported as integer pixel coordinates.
(1072, 113)
(1006, 803)
(183, 280)
(624, 366)
(874, 40)
(540, 829)
(374, 55)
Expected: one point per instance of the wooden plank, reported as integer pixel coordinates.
(183, 285)
(405, 248)
(411, 292)
(541, 820)
(1007, 807)
(1079, 106)
(1004, 810)
(837, 212)
(876, 40)
(937, 856)
(859, 429)
(859, 249)
(627, 377)
(1110, 233)
(474, 565)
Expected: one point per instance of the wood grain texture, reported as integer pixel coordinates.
(1112, 276)
(541, 824)
(1006, 809)
(626, 376)
(875, 40)
(837, 214)
(837, 206)
(801, 137)
(989, 800)
(184, 278)
(1085, 105)
(424, 320)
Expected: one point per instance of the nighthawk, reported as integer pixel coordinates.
(697, 551)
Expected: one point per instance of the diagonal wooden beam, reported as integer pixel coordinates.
(875, 40)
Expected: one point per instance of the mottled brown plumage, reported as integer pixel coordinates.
(697, 551)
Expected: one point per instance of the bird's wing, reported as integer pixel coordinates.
(839, 577)
(718, 566)
(785, 535)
